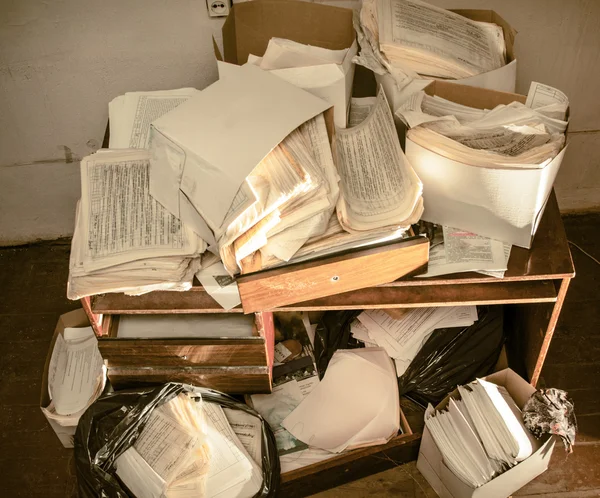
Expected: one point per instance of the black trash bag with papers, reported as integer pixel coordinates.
(453, 357)
(114, 422)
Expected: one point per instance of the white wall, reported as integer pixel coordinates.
(62, 61)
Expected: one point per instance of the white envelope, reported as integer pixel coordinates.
(203, 150)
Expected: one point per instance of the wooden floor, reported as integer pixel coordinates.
(34, 464)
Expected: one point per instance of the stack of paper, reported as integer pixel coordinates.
(355, 405)
(482, 434)
(130, 115)
(402, 333)
(410, 38)
(326, 73)
(509, 136)
(463, 251)
(188, 449)
(76, 375)
(124, 240)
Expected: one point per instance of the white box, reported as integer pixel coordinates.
(503, 79)
(502, 203)
(443, 481)
(76, 318)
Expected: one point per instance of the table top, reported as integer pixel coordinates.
(528, 279)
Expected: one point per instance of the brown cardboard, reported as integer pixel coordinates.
(76, 318)
(250, 26)
(447, 485)
(472, 96)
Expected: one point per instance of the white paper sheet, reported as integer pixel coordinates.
(248, 429)
(221, 286)
(359, 382)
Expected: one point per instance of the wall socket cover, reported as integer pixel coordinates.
(217, 8)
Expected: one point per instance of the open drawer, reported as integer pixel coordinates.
(355, 464)
(237, 362)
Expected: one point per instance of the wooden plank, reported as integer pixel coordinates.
(543, 350)
(333, 275)
(196, 300)
(231, 380)
(447, 295)
(183, 352)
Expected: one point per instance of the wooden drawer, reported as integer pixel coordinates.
(232, 365)
(358, 463)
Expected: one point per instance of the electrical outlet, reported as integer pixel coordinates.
(218, 8)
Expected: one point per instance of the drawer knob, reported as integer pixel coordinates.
(184, 357)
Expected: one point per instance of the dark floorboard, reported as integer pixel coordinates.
(33, 296)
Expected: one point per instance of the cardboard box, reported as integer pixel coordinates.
(250, 26)
(76, 318)
(466, 197)
(502, 79)
(431, 464)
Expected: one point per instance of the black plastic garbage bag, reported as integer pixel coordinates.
(333, 333)
(114, 422)
(454, 356)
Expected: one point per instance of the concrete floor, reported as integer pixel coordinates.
(34, 464)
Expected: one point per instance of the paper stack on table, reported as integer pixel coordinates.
(76, 375)
(402, 333)
(124, 240)
(463, 251)
(482, 434)
(436, 42)
(407, 42)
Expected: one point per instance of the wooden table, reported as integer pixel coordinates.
(532, 292)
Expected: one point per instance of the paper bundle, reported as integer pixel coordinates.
(360, 383)
(76, 375)
(482, 434)
(402, 333)
(516, 135)
(125, 241)
(188, 449)
(406, 41)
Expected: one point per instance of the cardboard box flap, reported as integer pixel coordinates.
(480, 98)
(251, 25)
(491, 16)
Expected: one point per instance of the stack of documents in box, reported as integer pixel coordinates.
(125, 241)
(76, 375)
(406, 41)
(482, 434)
(189, 449)
(402, 333)
(509, 136)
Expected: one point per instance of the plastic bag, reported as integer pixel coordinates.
(454, 356)
(114, 422)
(333, 333)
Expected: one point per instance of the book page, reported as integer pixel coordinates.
(130, 115)
(378, 186)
